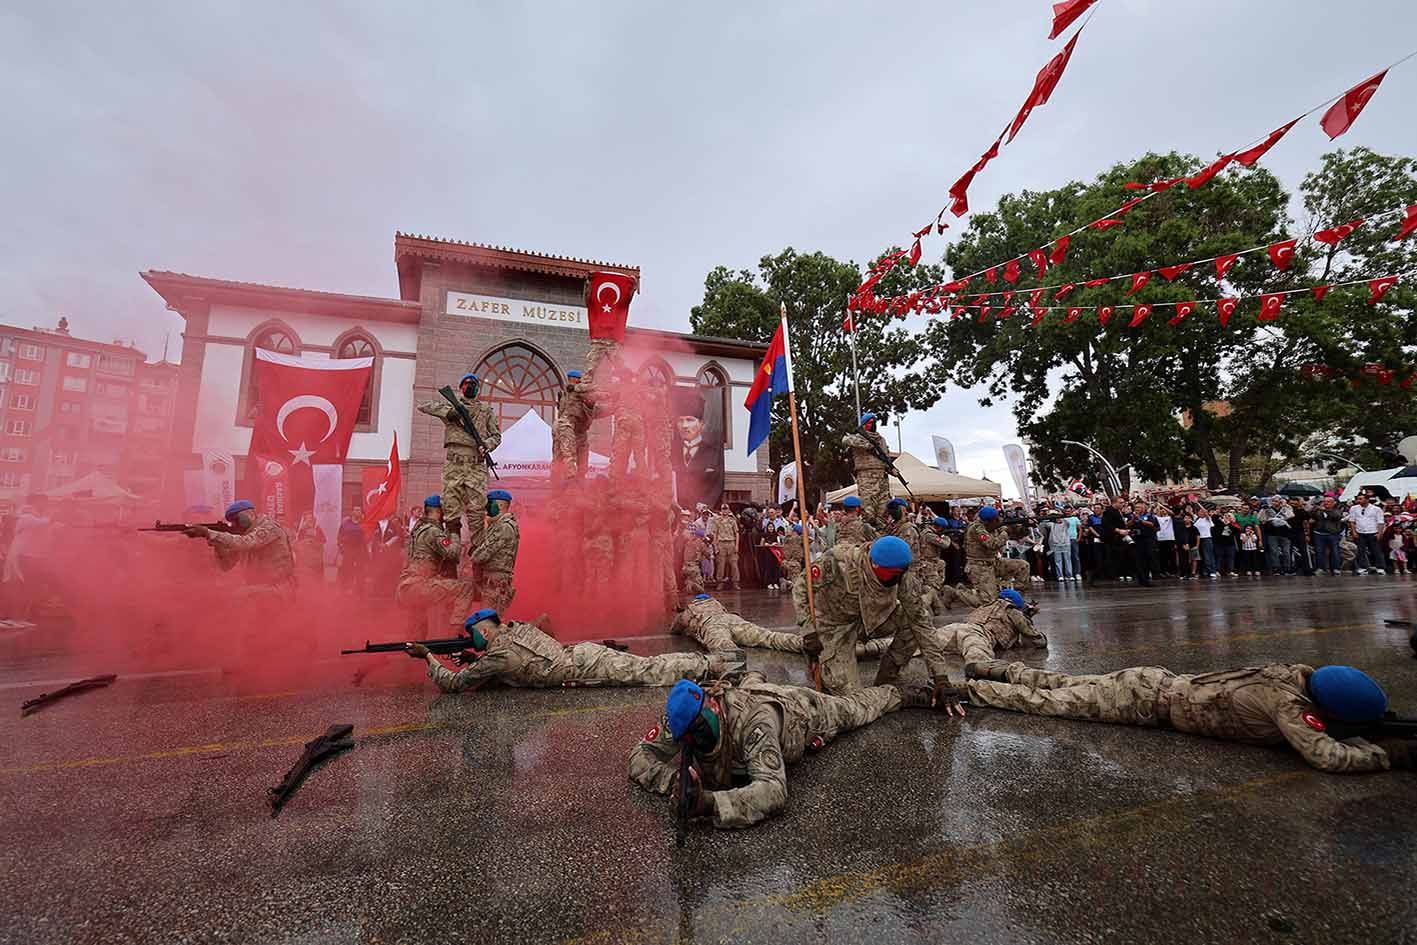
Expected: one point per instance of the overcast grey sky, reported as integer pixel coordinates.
(284, 143)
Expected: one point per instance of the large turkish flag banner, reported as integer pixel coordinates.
(608, 304)
(306, 412)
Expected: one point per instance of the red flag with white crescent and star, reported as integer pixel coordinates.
(1249, 156)
(306, 411)
(1270, 305)
(1333, 235)
(1409, 224)
(1346, 110)
(1379, 287)
(381, 490)
(608, 304)
(1282, 253)
(1226, 308)
(1223, 264)
(1182, 310)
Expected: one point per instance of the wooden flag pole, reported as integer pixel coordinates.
(801, 494)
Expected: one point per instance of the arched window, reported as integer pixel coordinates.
(713, 382)
(515, 379)
(656, 370)
(361, 346)
(277, 338)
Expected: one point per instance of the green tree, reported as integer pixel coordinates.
(814, 287)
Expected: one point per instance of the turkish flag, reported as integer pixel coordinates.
(1060, 250)
(381, 490)
(1223, 264)
(1066, 13)
(608, 300)
(1094, 283)
(1320, 291)
(1282, 253)
(989, 275)
(984, 311)
(914, 258)
(1103, 314)
(1038, 314)
(1346, 110)
(1008, 296)
(1040, 259)
(1182, 310)
(1226, 308)
(1332, 235)
(1011, 271)
(1037, 296)
(959, 190)
(1125, 208)
(1380, 287)
(305, 417)
(1044, 84)
(847, 325)
(1249, 156)
(957, 311)
(1008, 311)
(1139, 314)
(1409, 224)
(1270, 305)
(1103, 224)
(1171, 272)
(1139, 280)
(1073, 314)
(1215, 168)
(1064, 291)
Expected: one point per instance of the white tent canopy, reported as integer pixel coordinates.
(525, 450)
(1397, 485)
(95, 487)
(929, 484)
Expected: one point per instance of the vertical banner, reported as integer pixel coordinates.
(1018, 468)
(218, 477)
(274, 477)
(697, 451)
(945, 455)
(328, 478)
(787, 484)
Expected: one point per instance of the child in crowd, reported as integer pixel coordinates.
(1397, 552)
(1250, 551)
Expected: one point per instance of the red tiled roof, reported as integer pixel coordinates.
(409, 246)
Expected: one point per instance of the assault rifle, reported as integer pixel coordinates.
(161, 526)
(471, 428)
(1391, 725)
(885, 457)
(45, 698)
(336, 739)
(1406, 625)
(441, 647)
(686, 784)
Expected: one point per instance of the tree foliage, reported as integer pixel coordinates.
(814, 287)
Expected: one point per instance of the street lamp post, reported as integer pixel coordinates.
(1116, 480)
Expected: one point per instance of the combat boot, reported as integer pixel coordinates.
(723, 663)
(994, 670)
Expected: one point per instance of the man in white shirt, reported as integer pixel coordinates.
(1365, 520)
(1204, 526)
(1166, 539)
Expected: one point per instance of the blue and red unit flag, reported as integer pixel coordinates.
(774, 377)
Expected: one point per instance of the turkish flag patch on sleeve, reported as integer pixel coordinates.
(816, 573)
(652, 734)
(1313, 721)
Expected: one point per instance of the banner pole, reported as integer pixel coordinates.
(855, 373)
(801, 494)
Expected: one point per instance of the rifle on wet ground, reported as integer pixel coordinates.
(161, 526)
(441, 647)
(336, 739)
(470, 427)
(83, 685)
(686, 783)
(1391, 725)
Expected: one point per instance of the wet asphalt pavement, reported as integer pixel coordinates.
(137, 813)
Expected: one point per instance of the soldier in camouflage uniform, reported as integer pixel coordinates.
(744, 735)
(708, 623)
(900, 525)
(983, 540)
(723, 529)
(861, 593)
(465, 465)
(521, 654)
(599, 552)
(792, 555)
(260, 544)
(495, 557)
(696, 551)
(663, 520)
(1260, 705)
(1001, 625)
(570, 443)
(627, 440)
(871, 471)
(431, 553)
(659, 435)
(854, 529)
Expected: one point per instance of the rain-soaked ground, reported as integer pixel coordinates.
(137, 813)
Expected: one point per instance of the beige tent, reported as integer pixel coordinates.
(929, 484)
(94, 487)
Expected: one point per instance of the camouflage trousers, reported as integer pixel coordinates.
(628, 442)
(730, 632)
(828, 716)
(569, 451)
(273, 596)
(970, 641)
(599, 567)
(596, 664)
(941, 598)
(1013, 571)
(874, 490)
(791, 568)
(984, 579)
(842, 646)
(429, 597)
(1127, 697)
(726, 563)
(465, 489)
(600, 350)
(693, 577)
(495, 590)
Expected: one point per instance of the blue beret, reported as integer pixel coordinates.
(502, 494)
(941, 522)
(897, 502)
(466, 378)
(433, 501)
(239, 506)
(575, 374)
(890, 552)
(867, 418)
(1012, 596)
(988, 513)
(1348, 693)
(486, 613)
(685, 702)
(702, 597)
(797, 528)
(851, 502)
